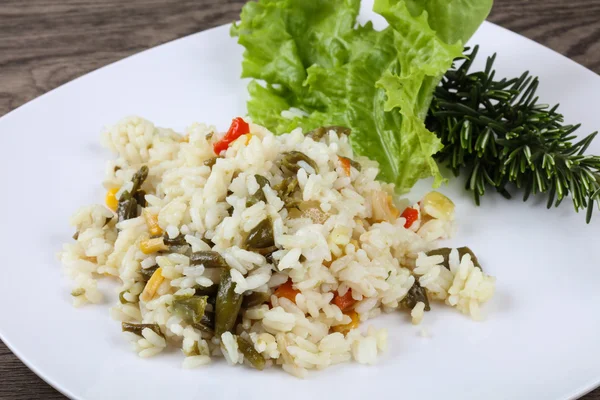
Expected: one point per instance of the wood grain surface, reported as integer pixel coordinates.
(45, 43)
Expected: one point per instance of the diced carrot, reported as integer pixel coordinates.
(287, 290)
(411, 215)
(355, 321)
(345, 164)
(344, 302)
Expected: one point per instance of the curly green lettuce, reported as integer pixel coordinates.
(313, 56)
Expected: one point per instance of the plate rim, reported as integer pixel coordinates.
(63, 389)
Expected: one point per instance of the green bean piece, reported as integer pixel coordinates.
(138, 328)
(261, 180)
(210, 291)
(355, 164)
(138, 178)
(319, 133)
(176, 241)
(122, 299)
(126, 195)
(78, 292)
(465, 250)
(287, 187)
(194, 351)
(445, 252)
(228, 304)
(285, 191)
(271, 260)
(254, 357)
(266, 251)
(148, 272)
(255, 198)
(208, 258)
(140, 197)
(259, 195)
(255, 299)
(210, 162)
(442, 251)
(291, 158)
(416, 294)
(189, 308)
(207, 324)
(212, 300)
(261, 236)
(127, 207)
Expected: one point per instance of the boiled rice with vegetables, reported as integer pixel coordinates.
(274, 251)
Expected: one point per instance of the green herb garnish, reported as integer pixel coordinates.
(497, 133)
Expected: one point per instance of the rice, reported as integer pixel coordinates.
(195, 361)
(338, 245)
(417, 313)
(229, 347)
(365, 351)
(463, 285)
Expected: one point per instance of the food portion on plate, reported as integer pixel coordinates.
(276, 248)
(268, 249)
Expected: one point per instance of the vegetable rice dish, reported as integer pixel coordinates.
(275, 243)
(265, 250)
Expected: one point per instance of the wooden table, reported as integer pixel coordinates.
(45, 43)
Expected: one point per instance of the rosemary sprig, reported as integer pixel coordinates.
(496, 131)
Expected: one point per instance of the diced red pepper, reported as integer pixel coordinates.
(238, 128)
(287, 290)
(411, 215)
(344, 302)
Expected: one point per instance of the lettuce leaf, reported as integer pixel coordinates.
(311, 55)
(453, 20)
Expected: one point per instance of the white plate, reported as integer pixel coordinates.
(540, 340)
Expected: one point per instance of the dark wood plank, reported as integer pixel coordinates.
(572, 28)
(45, 43)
